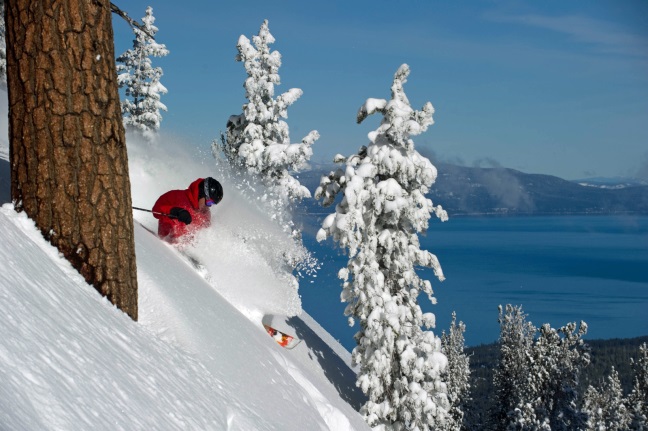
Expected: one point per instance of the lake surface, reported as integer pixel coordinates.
(560, 269)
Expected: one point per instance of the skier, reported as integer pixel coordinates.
(181, 213)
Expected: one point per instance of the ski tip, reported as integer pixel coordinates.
(284, 340)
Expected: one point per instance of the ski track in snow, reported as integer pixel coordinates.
(333, 417)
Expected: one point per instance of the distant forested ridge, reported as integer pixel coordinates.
(466, 191)
(605, 354)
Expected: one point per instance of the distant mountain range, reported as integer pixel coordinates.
(501, 191)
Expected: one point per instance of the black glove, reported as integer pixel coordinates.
(181, 214)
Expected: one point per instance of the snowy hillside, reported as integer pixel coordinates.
(198, 359)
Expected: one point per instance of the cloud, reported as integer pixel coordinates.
(505, 187)
(437, 158)
(502, 184)
(642, 172)
(484, 185)
(603, 36)
(486, 162)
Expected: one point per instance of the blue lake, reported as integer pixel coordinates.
(560, 269)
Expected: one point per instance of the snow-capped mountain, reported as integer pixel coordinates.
(612, 183)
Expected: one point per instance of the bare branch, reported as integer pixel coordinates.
(130, 20)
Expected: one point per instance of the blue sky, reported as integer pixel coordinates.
(552, 87)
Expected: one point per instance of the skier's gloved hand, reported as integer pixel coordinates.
(181, 214)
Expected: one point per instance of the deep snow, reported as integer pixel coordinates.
(198, 359)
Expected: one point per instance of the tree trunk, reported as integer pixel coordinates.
(69, 168)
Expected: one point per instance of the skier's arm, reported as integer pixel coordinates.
(164, 205)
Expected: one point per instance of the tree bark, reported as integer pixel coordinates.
(69, 167)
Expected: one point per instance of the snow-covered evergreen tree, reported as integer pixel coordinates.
(3, 48)
(142, 106)
(638, 398)
(383, 209)
(554, 365)
(456, 375)
(258, 141)
(606, 408)
(516, 339)
(257, 145)
(536, 380)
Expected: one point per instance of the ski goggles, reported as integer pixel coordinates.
(208, 200)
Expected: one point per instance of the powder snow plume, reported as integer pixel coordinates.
(246, 235)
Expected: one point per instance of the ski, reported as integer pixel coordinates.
(283, 339)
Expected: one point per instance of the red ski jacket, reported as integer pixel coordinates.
(171, 229)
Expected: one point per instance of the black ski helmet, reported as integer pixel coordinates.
(211, 189)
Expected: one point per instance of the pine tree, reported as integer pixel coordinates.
(606, 407)
(69, 167)
(258, 150)
(258, 141)
(638, 398)
(509, 380)
(456, 374)
(378, 220)
(536, 379)
(554, 366)
(141, 108)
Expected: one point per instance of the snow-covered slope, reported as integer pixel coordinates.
(198, 359)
